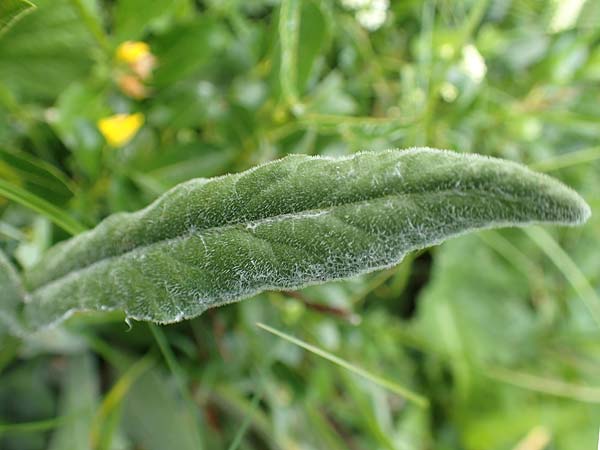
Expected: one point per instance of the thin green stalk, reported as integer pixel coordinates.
(417, 399)
(588, 394)
(567, 160)
(473, 20)
(177, 372)
(289, 31)
(99, 437)
(39, 425)
(569, 269)
(246, 423)
(93, 25)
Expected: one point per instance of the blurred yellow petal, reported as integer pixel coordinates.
(119, 129)
(137, 56)
(132, 51)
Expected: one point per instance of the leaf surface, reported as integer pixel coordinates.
(11, 11)
(286, 224)
(45, 51)
(11, 298)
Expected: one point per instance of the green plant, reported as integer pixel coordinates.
(489, 340)
(284, 225)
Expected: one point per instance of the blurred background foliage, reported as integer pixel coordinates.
(105, 104)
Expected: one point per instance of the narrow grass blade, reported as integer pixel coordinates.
(32, 427)
(289, 31)
(587, 394)
(79, 399)
(246, 423)
(113, 399)
(409, 395)
(37, 204)
(179, 375)
(567, 160)
(92, 23)
(569, 269)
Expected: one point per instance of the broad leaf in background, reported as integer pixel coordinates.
(303, 35)
(489, 310)
(11, 11)
(185, 48)
(133, 18)
(79, 400)
(77, 111)
(457, 316)
(45, 51)
(160, 171)
(155, 418)
(314, 33)
(296, 221)
(26, 397)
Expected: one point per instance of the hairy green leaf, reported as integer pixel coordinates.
(11, 297)
(283, 225)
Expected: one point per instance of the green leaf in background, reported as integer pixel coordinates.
(79, 400)
(185, 48)
(27, 408)
(38, 204)
(155, 417)
(314, 33)
(179, 164)
(296, 221)
(289, 35)
(45, 51)
(11, 11)
(78, 109)
(133, 18)
(303, 34)
(386, 384)
(38, 177)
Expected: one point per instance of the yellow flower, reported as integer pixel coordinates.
(131, 52)
(119, 129)
(138, 57)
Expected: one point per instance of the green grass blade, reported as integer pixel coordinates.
(409, 395)
(569, 269)
(79, 399)
(102, 425)
(235, 444)
(179, 375)
(289, 32)
(93, 24)
(41, 206)
(567, 160)
(13, 297)
(32, 427)
(588, 394)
